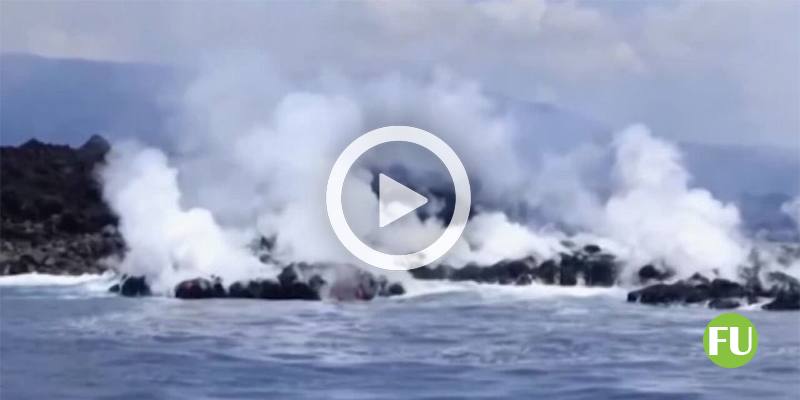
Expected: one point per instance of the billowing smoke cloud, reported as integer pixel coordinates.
(252, 152)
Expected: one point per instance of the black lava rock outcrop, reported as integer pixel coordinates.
(786, 290)
(722, 293)
(723, 304)
(295, 282)
(53, 218)
(288, 286)
(588, 266)
(650, 273)
(132, 286)
(200, 288)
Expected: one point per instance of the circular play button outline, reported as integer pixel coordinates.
(429, 141)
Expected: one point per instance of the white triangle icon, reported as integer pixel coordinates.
(395, 200)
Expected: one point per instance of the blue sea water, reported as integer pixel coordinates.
(467, 342)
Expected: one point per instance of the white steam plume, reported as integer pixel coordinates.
(252, 157)
(656, 215)
(168, 243)
(792, 209)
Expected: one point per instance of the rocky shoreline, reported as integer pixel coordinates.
(295, 282)
(589, 266)
(54, 221)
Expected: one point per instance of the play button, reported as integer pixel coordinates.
(395, 200)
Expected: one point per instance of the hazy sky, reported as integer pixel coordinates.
(722, 71)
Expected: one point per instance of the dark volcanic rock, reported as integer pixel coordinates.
(722, 293)
(782, 282)
(723, 304)
(651, 273)
(589, 267)
(513, 271)
(698, 294)
(200, 288)
(270, 290)
(288, 276)
(393, 289)
(569, 269)
(787, 292)
(722, 288)
(524, 280)
(387, 289)
(601, 271)
(51, 205)
(22, 265)
(663, 293)
(240, 290)
(305, 282)
(504, 272)
(301, 291)
(784, 301)
(134, 286)
(267, 289)
(592, 249)
(95, 148)
(288, 286)
(698, 279)
(439, 272)
(547, 272)
(660, 293)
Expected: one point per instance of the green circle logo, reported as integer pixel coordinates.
(730, 340)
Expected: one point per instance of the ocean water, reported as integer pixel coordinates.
(68, 339)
